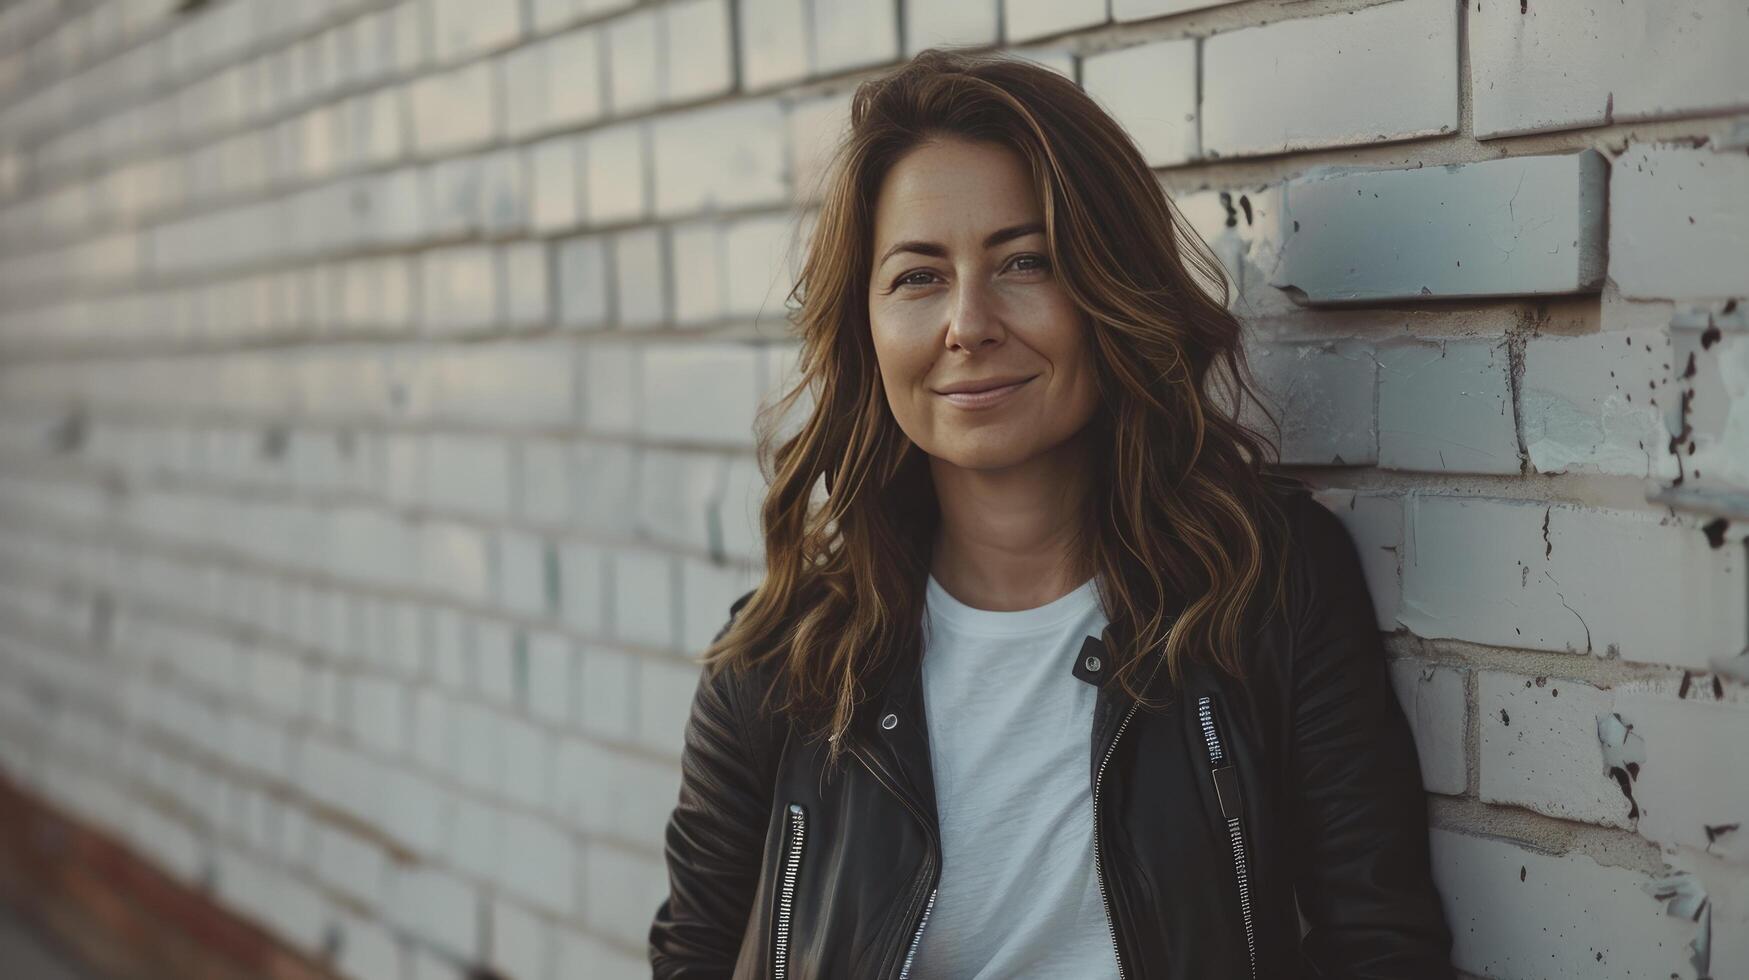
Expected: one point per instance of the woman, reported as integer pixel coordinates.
(937, 740)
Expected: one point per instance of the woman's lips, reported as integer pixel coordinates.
(984, 399)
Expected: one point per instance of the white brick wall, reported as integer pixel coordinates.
(422, 341)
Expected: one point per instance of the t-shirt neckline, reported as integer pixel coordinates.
(953, 614)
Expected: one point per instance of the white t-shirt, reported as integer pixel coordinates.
(1010, 732)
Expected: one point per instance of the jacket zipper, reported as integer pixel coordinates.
(879, 772)
(798, 833)
(917, 936)
(1098, 870)
(1226, 780)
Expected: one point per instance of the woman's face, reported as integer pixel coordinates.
(962, 292)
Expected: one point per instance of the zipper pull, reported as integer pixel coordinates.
(1227, 791)
(1225, 777)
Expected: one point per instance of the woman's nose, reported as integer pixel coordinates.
(974, 319)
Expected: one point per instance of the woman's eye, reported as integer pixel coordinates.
(918, 277)
(1029, 263)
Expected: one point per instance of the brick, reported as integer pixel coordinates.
(1677, 222)
(698, 59)
(522, 582)
(741, 535)
(496, 643)
(1560, 67)
(544, 482)
(583, 600)
(622, 889)
(774, 42)
(379, 714)
(555, 184)
(1447, 408)
(927, 24)
(1452, 225)
(476, 838)
(634, 63)
(460, 28)
(520, 384)
(582, 282)
(699, 282)
(761, 263)
(701, 584)
(414, 810)
(525, 290)
(1693, 746)
(524, 749)
(461, 288)
(521, 941)
(1591, 404)
(852, 34)
(1152, 90)
(1025, 20)
(574, 78)
(816, 126)
(611, 385)
(1322, 394)
(643, 600)
(439, 908)
(1143, 9)
(640, 286)
(367, 949)
(721, 157)
(351, 865)
(1375, 522)
(678, 502)
(1710, 351)
(453, 559)
(1387, 72)
(468, 474)
(616, 174)
(700, 392)
(455, 110)
(547, 15)
(1547, 577)
(375, 127)
(1512, 914)
(539, 864)
(1433, 700)
(551, 678)
(1539, 748)
(431, 729)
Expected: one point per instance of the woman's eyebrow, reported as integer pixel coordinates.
(991, 240)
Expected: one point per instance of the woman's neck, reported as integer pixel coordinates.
(1007, 538)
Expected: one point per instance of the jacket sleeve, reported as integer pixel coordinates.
(1359, 824)
(713, 840)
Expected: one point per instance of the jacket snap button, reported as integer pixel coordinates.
(1092, 663)
(889, 721)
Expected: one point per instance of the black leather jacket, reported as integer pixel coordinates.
(1211, 816)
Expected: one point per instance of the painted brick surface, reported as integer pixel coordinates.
(1447, 408)
(377, 380)
(1313, 81)
(1678, 222)
(1595, 403)
(1511, 914)
(1151, 90)
(1561, 66)
(930, 24)
(1524, 226)
(1497, 572)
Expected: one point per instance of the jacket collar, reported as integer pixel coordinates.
(891, 725)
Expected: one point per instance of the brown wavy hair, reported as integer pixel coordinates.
(1177, 525)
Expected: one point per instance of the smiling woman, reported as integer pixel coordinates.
(983, 355)
(1058, 678)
